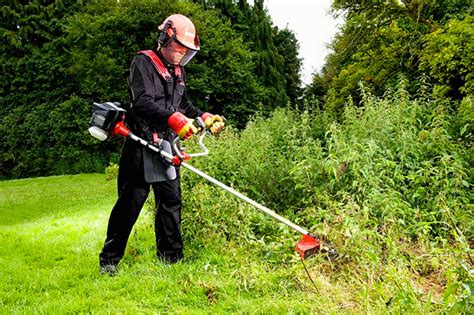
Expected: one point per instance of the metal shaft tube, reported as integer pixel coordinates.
(246, 199)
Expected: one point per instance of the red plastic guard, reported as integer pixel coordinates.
(307, 246)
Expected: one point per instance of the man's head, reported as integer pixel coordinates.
(178, 39)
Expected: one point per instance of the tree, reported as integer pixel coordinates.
(269, 64)
(381, 40)
(32, 82)
(275, 52)
(448, 56)
(288, 47)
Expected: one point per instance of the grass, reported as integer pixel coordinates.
(52, 230)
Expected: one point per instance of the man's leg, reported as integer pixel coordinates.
(122, 218)
(169, 243)
(132, 194)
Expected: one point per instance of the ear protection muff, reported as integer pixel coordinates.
(163, 36)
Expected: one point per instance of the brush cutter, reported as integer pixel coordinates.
(107, 122)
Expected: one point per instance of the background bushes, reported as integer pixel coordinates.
(57, 57)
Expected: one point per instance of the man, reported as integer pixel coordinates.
(159, 112)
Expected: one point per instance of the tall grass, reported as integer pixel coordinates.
(390, 184)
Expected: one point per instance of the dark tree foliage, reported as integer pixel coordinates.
(275, 51)
(57, 57)
(33, 83)
(287, 46)
(269, 64)
(316, 91)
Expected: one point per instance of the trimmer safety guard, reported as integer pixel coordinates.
(307, 246)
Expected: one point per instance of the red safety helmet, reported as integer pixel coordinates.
(180, 29)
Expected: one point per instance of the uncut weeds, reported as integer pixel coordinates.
(389, 184)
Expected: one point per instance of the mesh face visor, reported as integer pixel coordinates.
(189, 54)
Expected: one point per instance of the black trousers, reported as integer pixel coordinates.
(133, 191)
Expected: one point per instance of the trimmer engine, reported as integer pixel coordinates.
(105, 117)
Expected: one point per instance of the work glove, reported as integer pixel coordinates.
(213, 123)
(183, 126)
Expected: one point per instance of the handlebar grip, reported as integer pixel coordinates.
(200, 123)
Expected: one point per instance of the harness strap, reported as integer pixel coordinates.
(160, 67)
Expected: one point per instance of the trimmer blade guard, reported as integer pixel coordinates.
(307, 246)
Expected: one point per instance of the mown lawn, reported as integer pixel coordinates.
(52, 230)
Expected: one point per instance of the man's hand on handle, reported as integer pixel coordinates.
(214, 123)
(183, 126)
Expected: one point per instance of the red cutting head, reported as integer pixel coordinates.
(307, 246)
